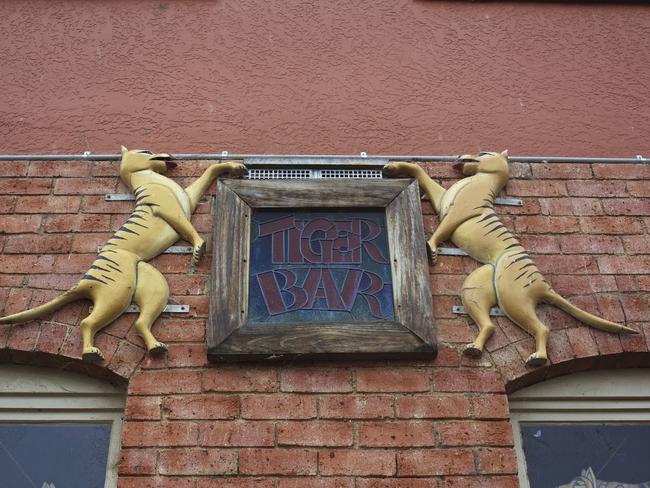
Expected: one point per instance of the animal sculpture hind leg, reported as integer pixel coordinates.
(521, 309)
(533, 325)
(478, 297)
(106, 308)
(151, 296)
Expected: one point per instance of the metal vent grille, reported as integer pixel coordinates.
(307, 174)
(279, 174)
(350, 173)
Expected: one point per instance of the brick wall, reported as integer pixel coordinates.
(441, 423)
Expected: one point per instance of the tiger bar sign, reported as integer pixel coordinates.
(319, 268)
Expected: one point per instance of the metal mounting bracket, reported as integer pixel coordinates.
(494, 311)
(169, 308)
(121, 197)
(513, 202)
(116, 197)
(451, 251)
(169, 250)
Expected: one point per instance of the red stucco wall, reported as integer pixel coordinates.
(386, 76)
(326, 77)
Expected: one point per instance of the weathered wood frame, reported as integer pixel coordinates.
(232, 338)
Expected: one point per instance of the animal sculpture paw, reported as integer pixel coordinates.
(92, 355)
(536, 359)
(235, 168)
(432, 252)
(472, 350)
(158, 348)
(197, 252)
(390, 170)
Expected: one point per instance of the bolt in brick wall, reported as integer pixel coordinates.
(375, 424)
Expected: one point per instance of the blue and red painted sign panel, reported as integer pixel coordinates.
(319, 266)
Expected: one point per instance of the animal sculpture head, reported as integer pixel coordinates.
(141, 159)
(485, 162)
(470, 164)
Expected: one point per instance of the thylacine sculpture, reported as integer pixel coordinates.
(120, 274)
(508, 277)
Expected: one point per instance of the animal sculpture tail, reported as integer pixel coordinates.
(559, 301)
(51, 306)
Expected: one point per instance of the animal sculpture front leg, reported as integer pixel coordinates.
(430, 188)
(196, 191)
(164, 204)
(184, 228)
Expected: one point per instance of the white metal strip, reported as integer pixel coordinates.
(169, 308)
(178, 250)
(170, 250)
(513, 202)
(116, 197)
(451, 251)
(494, 311)
(121, 197)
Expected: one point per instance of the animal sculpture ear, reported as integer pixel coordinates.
(504, 153)
(124, 150)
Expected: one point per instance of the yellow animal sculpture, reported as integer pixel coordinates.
(120, 274)
(508, 277)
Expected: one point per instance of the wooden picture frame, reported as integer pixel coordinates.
(231, 337)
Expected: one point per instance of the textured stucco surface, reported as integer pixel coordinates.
(383, 76)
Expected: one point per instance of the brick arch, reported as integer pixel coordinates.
(576, 365)
(572, 346)
(58, 345)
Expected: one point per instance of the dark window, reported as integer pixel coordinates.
(68, 455)
(585, 455)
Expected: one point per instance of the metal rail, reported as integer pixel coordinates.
(319, 160)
